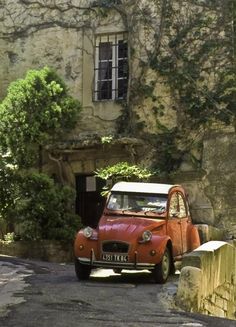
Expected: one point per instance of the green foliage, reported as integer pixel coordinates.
(123, 121)
(106, 139)
(8, 193)
(36, 111)
(103, 6)
(169, 156)
(123, 171)
(197, 60)
(106, 3)
(226, 94)
(44, 209)
(9, 237)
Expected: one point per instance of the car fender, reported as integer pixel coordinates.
(194, 238)
(83, 246)
(153, 250)
(160, 243)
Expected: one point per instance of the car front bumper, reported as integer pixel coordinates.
(92, 262)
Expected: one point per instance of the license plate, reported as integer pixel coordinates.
(115, 257)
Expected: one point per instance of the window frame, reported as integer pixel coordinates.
(114, 39)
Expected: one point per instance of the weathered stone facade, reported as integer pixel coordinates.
(212, 191)
(61, 34)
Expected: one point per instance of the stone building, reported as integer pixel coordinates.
(101, 50)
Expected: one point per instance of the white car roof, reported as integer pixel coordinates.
(137, 187)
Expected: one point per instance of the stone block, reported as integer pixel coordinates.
(231, 310)
(219, 302)
(208, 306)
(223, 291)
(188, 295)
(219, 312)
(213, 309)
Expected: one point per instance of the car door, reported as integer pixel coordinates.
(174, 224)
(183, 220)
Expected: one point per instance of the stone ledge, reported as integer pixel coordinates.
(207, 280)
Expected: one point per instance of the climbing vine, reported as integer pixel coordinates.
(197, 60)
(191, 48)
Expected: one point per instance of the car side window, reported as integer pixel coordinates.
(182, 208)
(174, 206)
(177, 206)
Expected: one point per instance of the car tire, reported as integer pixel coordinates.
(117, 270)
(82, 271)
(162, 269)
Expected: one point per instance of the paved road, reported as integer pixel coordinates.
(48, 295)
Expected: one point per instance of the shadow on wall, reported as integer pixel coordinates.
(210, 233)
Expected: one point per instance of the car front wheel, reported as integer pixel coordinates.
(162, 269)
(82, 271)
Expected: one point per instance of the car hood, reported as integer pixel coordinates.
(126, 228)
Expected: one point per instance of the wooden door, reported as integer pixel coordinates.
(89, 202)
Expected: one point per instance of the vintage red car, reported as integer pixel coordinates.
(143, 226)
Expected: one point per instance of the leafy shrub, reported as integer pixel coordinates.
(44, 209)
(9, 237)
(123, 171)
(36, 111)
(8, 194)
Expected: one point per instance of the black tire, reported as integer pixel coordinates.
(82, 271)
(162, 269)
(117, 270)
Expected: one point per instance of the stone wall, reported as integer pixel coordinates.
(212, 189)
(207, 281)
(52, 251)
(220, 181)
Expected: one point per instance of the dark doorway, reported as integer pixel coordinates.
(89, 202)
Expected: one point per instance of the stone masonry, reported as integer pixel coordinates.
(208, 280)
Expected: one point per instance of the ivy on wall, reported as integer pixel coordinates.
(193, 51)
(197, 61)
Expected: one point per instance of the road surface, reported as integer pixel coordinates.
(40, 294)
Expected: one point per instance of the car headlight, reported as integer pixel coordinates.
(88, 232)
(147, 236)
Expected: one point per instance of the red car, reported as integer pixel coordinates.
(143, 226)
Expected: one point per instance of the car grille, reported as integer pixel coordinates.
(119, 247)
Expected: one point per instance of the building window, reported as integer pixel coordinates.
(111, 67)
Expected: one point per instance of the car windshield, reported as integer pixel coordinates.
(137, 202)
